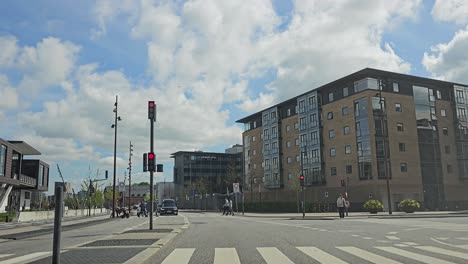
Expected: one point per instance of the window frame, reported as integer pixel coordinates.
(347, 149)
(402, 127)
(333, 150)
(398, 107)
(405, 166)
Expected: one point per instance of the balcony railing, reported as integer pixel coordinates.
(27, 180)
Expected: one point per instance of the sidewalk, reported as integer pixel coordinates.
(333, 215)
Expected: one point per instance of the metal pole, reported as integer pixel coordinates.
(130, 178)
(57, 224)
(151, 177)
(89, 196)
(303, 185)
(115, 156)
(384, 148)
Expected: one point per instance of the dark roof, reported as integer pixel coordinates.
(366, 72)
(24, 148)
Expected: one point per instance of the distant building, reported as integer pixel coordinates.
(67, 189)
(217, 170)
(234, 149)
(20, 177)
(138, 193)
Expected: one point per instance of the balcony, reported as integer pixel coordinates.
(27, 180)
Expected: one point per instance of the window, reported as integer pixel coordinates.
(303, 139)
(331, 97)
(301, 106)
(399, 127)
(253, 138)
(332, 152)
(333, 171)
(296, 125)
(289, 176)
(346, 130)
(298, 158)
(461, 112)
(356, 109)
(289, 160)
(254, 124)
(313, 102)
(289, 112)
(449, 169)
(288, 144)
(349, 169)
(445, 131)
(254, 152)
(274, 145)
(273, 116)
(330, 115)
(3, 154)
(314, 138)
(345, 111)
(288, 128)
(274, 132)
(315, 155)
(358, 129)
(396, 88)
(297, 142)
(255, 166)
(347, 149)
(27, 195)
(402, 147)
(331, 133)
(275, 163)
(313, 120)
(447, 149)
(345, 91)
(439, 95)
(398, 107)
(460, 96)
(302, 123)
(266, 134)
(403, 167)
(265, 118)
(443, 112)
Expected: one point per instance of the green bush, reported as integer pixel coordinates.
(409, 205)
(373, 205)
(11, 215)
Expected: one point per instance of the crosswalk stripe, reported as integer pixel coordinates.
(371, 257)
(444, 251)
(5, 255)
(272, 255)
(226, 256)
(179, 256)
(414, 256)
(26, 258)
(321, 256)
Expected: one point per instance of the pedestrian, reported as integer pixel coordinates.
(230, 207)
(347, 205)
(226, 206)
(143, 209)
(340, 203)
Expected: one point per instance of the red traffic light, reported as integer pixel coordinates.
(150, 156)
(301, 177)
(151, 104)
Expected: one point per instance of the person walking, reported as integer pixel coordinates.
(230, 207)
(347, 205)
(226, 206)
(340, 203)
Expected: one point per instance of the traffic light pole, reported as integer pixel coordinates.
(151, 177)
(303, 184)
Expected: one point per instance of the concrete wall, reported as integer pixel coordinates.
(49, 215)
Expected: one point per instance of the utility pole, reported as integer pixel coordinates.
(130, 175)
(151, 157)
(302, 180)
(114, 126)
(384, 132)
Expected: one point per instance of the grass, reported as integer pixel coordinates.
(11, 215)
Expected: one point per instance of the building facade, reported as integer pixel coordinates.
(348, 136)
(216, 170)
(20, 178)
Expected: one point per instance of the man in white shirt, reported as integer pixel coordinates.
(340, 203)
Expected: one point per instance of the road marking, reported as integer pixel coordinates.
(411, 243)
(5, 255)
(383, 241)
(179, 256)
(273, 256)
(442, 238)
(392, 237)
(26, 258)
(367, 238)
(414, 256)
(371, 257)
(462, 238)
(392, 233)
(226, 256)
(401, 245)
(355, 235)
(444, 252)
(320, 256)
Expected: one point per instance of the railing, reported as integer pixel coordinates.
(28, 180)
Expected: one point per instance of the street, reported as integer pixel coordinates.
(199, 237)
(212, 238)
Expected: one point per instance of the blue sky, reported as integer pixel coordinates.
(205, 63)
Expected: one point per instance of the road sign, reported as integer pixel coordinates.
(121, 186)
(235, 187)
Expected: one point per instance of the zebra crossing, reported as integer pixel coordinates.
(391, 255)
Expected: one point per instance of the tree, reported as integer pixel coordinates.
(231, 176)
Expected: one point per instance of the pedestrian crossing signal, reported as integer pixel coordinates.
(301, 179)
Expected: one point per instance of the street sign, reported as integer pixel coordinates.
(235, 187)
(121, 187)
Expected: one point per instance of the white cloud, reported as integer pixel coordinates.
(9, 97)
(9, 50)
(449, 61)
(451, 11)
(105, 11)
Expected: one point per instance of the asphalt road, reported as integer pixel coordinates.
(212, 238)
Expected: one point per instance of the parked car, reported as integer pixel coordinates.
(168, 206)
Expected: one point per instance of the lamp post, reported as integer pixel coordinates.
(303, 153)
(114, 126)
(130, 175)
(384, 133)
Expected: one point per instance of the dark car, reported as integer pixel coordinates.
(168, 206)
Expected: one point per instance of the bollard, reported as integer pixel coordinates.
(57, 224)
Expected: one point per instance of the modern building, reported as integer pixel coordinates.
(19, 177)
(216, 170)
(351, 134)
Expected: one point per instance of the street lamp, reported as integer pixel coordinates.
(130, 175)
(384, 133)
(114, 126)
(302, 177)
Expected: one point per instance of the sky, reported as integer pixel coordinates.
(205, 63)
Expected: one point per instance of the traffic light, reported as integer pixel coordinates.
(145, 162)
(301, 179)
(151, 161)
(151, 110)
(159, 168)
(343, 184)
(107, 174)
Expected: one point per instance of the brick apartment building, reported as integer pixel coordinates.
(357, 130)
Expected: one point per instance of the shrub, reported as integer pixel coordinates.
(409, 205)
(373, 205)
